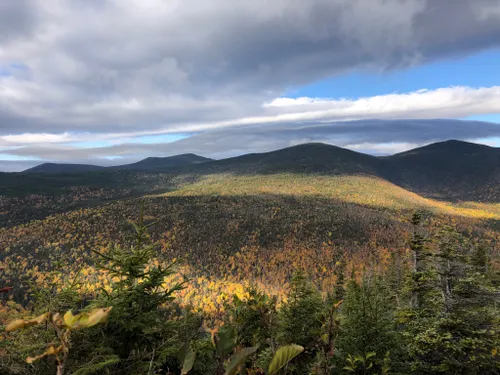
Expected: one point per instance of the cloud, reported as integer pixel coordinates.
(128, 66)
(108, 71)
(423, 104)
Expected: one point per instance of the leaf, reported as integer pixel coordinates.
(282, 356)
(69, 319)
(223, 341)
(238, 359)
(370, 354)
(52, 350)
(188, 361)
(86, 319)
(20, 323)
(16, 324)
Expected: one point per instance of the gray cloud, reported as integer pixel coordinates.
(18, 19)
(116, 66)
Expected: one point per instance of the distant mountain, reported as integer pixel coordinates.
(151, 163)
(55, 168)
(156, 163)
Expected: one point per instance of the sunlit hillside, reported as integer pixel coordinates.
(363, 190)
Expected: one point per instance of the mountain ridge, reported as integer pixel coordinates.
(149, 163)
(448, 145)
(453, 170)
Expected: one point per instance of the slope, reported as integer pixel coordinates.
(450, 170)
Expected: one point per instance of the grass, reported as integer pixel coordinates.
(364, 190)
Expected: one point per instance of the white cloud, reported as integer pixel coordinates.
(382, 148)
(36, 138)
(452, 102)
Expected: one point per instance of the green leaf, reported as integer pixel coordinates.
(188, 361)
(238, 359)
(370, 354)
(282, 356)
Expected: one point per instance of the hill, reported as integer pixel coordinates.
(151, 163)
(55, 168)
(449, 170)
(160, 163)
(304, 158)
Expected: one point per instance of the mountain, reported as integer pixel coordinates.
(451, 169)
(304, 158)
(55, 168)
(151, 163)
(155, 163)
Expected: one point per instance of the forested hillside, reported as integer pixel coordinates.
(223, 271)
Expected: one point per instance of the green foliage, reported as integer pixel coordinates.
(367, 327)
(138, 296)
(188, 362)
(360, 363)
(300, 320)
(62, 326)
(283, 356)
(237, 361)
(459, 334)
(252, 317)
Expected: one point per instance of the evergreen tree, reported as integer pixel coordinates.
(140, 324)
(300, 320)
(456, 330)
(367, 332)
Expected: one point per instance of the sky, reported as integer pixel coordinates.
(109, 82)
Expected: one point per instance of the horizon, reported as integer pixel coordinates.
(264, 152)
(79, 85)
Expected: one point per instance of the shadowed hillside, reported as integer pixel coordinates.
(448, 170)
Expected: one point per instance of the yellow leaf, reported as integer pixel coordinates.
(69, 319)
(86, 319)
(20, 323)
(16, 324)
(98, 316)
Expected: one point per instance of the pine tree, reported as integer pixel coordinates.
(367, 331)
(454, 327)
(139, 321)
(300, 320)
